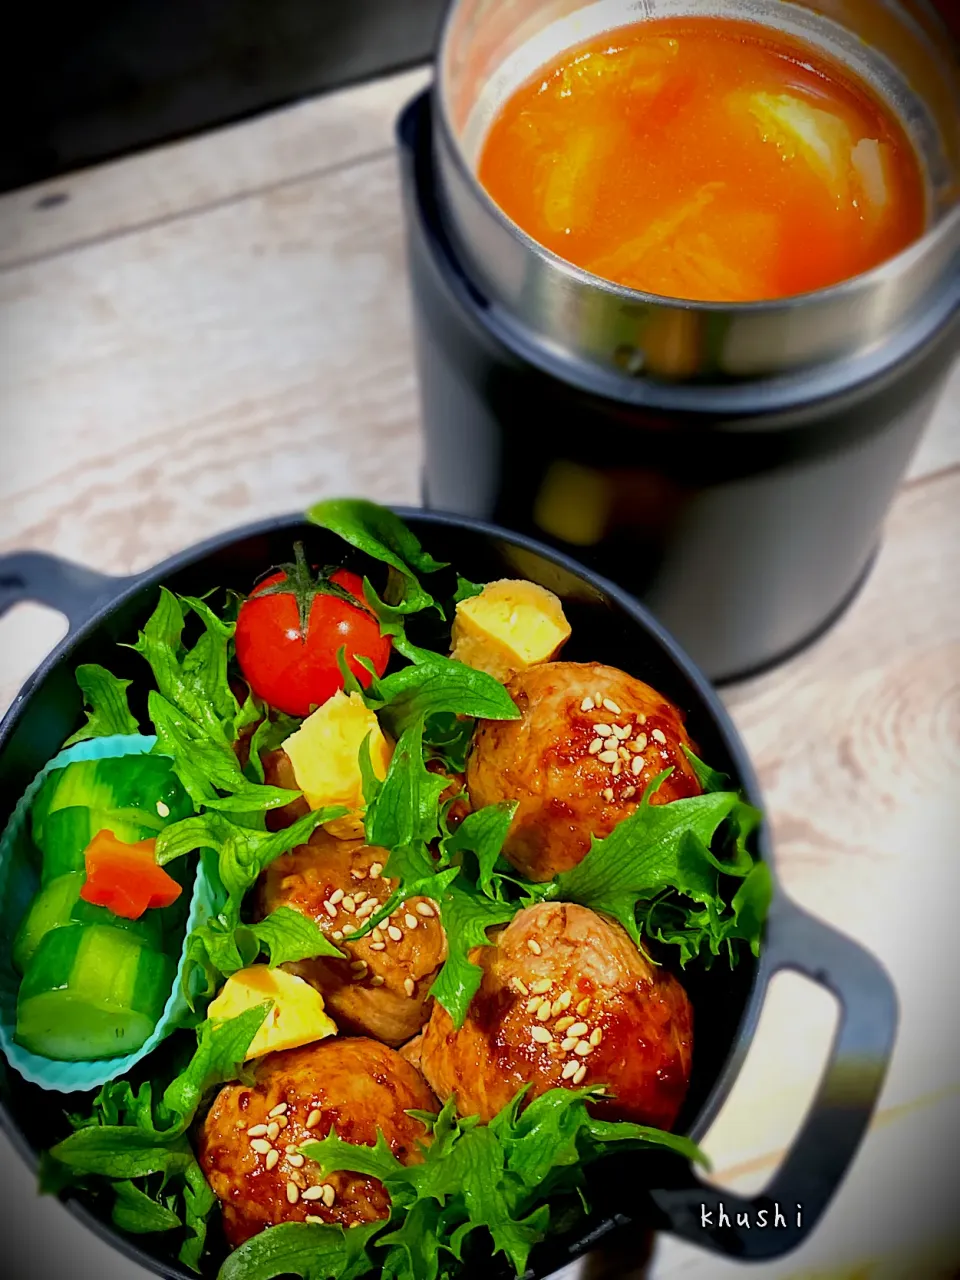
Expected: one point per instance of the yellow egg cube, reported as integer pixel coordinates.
(325, 754)
(296, 1016)
(509, 626)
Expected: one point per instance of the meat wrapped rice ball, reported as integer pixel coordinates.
(382, 987)
(589, 740)
(245, 1146)
(566, 1000)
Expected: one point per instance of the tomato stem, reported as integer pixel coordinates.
(304, 585)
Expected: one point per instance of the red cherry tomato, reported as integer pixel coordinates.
(294, 671)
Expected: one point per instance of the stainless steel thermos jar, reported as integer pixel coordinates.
(730, 464)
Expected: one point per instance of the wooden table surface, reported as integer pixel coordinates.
(219, 330)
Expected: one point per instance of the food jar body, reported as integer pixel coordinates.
(744, 512)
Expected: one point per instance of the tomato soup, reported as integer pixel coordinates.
(706, 159)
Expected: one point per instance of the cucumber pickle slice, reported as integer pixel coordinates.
(91, 991)
(59, 903)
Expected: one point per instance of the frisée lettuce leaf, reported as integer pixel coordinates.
(135, 1148)
(498, 1186)
(107, 707)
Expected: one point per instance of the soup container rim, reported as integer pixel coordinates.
(940, 240)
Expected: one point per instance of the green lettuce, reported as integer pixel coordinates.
(107, 708)
(136, 1147)
(475, 1183)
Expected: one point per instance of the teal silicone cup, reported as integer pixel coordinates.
(19, 882)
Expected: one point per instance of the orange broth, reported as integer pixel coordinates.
(706, 159)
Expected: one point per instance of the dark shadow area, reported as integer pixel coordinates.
(86, 83)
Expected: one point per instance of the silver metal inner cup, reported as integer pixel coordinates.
(898, 47)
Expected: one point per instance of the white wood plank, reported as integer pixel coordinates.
(272, 149)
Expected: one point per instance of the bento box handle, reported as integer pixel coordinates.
(838, 1117)
(71, 589)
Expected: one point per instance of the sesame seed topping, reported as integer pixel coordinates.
(330, 909)
(348, 904)
(602, 730)
(410, 921)
(608, 757)
(298, 1179)
(583, 1006)
(376, 870)
(596, 1035)
(409, 986)
(562, 1024)
(640, 742)
(595, 746)
(623, 753)
(358, 966)
(282, 1122)
(329, 1195)
(358, 873)
(394, 933)
(533, 1004)
(316, 1221)
(641, 718)
(376, 980)
(617, 768)
(520, 986)
(611, 743)
(273, 1130)
(583, 1048)
(608, 793)
(569, 1069)
(636, 766)
(541, 1035)
(425, 909)
(313, 1193)
(367, 909)
(350, 930)
(629, 793)
(258, 1131)
(534, 946)
(293, 1193)
(273, 1159)
(337, 935)
(163, 809)
(578, 1078)
(598, 698)
(541, 986)
(543, 1012)
(587, 704)
(296, 1161)
(579, 1029)
(611, 706)
(336, 896)
(313, 1119)
(623, 731)
(659, 736)
(564, 1000)
(378, 946)
(261, 1146)
(568, 1044)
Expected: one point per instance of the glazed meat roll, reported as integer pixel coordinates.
(381, 988)
(566, 1000)
(589, 740)
(245, 1146)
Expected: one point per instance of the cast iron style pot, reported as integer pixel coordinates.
(630, 1193)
